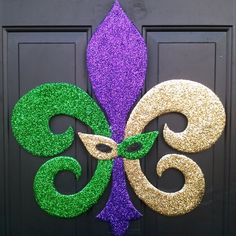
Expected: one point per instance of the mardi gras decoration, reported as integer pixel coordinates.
(117, 61)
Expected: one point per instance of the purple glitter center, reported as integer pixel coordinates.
(117, 61)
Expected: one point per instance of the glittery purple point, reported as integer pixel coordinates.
(119, 209)
(117, 61)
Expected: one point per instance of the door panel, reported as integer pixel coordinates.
(198, 54)
(45, 41)
(36, 57)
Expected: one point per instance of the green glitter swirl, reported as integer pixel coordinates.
(30, 125)
(68, 206)
(145, 140)
(32, 113)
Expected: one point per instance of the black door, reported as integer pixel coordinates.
(45, 41)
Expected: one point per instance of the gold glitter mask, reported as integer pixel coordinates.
(100, 147)
(206, 120)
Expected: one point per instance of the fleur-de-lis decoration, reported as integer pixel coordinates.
(117, 61)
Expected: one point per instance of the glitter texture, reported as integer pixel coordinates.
(206, 121)
(90, 141)
(170, 204)
(32, 113)
(202, 108)
(146, 140)
(117, 61)
(30, 124)
(67, 206)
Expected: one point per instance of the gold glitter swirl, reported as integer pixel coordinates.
(170, 204)
(91, 141)
(206, 120)
(202, 108)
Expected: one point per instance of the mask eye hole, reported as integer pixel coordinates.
(134, 147)
(103, 148)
